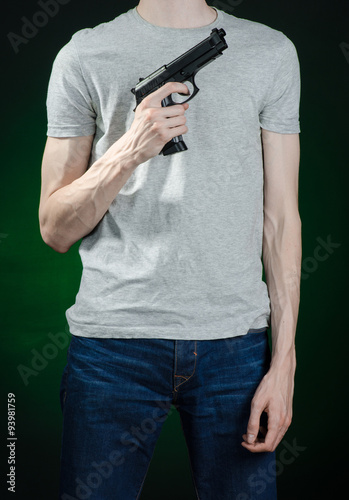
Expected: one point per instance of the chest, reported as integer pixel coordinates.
(233, 87)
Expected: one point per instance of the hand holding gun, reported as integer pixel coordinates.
(183, 69)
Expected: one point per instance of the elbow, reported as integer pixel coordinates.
(58, 248)
(282, 220)
(53, 241)
(297, 224)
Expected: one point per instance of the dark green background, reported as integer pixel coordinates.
(38, 285)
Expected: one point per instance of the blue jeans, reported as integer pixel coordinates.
(117, 393)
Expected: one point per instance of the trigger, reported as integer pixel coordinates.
(193, 89)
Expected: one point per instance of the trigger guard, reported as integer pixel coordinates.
(195, 91)
(168, 101)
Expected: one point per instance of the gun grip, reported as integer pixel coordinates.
(175, 145)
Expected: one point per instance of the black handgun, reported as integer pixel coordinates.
(182, 69)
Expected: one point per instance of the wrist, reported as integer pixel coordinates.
(284, 361)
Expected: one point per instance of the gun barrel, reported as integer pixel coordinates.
(215, 42)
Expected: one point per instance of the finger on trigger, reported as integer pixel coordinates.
(166, 90)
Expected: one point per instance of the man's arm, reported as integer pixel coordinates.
(73, 199)
(282, 264)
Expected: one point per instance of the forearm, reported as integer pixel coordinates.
(282, 264)
(78, 204)
(73, 211)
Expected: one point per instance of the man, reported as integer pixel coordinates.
(172, 308)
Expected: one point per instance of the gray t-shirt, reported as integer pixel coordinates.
(178, 253)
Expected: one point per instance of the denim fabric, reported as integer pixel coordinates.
(116, 395)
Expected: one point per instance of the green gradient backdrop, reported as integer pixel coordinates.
(38, 285)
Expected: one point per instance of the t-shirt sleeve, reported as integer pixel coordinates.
(70, 111)
(280, 112)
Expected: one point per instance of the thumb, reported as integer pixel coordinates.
(253, 426)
